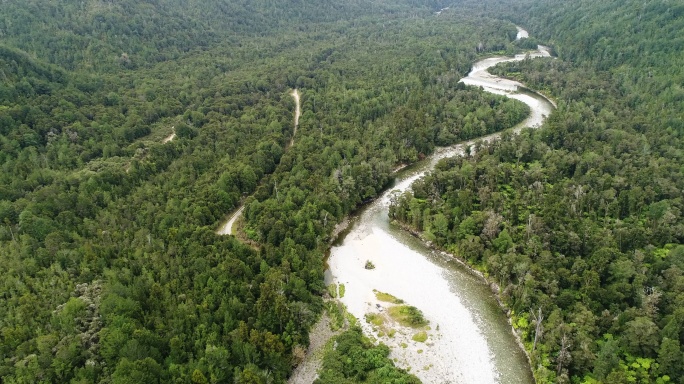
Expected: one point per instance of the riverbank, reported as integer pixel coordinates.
(494, 286)
(469, 326)
(320, 335)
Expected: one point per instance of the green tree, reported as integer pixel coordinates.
(139, 371)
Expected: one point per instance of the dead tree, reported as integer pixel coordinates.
(538, 327)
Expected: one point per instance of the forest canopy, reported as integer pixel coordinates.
(580, 223)
(111, 267)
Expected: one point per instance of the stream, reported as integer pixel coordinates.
(469, 339)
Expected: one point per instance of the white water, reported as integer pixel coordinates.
(474, 342)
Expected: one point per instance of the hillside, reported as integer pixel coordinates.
(111, 269)
(580, 222)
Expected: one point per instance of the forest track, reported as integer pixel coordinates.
(409, 270)
(298, 113)
(170, 137)
(227, 228)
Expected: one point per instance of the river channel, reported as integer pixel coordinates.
(469, 337)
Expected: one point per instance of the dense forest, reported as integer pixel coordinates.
(111, 268)
(580, 223)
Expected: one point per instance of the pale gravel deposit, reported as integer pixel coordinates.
(458, 350)
(307, 371)
(414, 279)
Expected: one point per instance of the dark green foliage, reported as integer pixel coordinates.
(354, 359)
(101, 35)
(583, 217)
(111, 270)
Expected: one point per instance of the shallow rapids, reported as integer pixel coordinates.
(470, 339)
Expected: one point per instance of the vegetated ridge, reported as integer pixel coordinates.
(111, 270)
(580, 222)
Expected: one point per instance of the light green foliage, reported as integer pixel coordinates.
(420, 337)
(407, 315)
(563, 218)
(386, 297)
(522, 322)
(337, 313)
(356, 360)
(375, 319)
(332, 290)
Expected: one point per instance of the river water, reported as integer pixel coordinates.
(470, 339)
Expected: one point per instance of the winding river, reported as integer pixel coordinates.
(469, 339)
